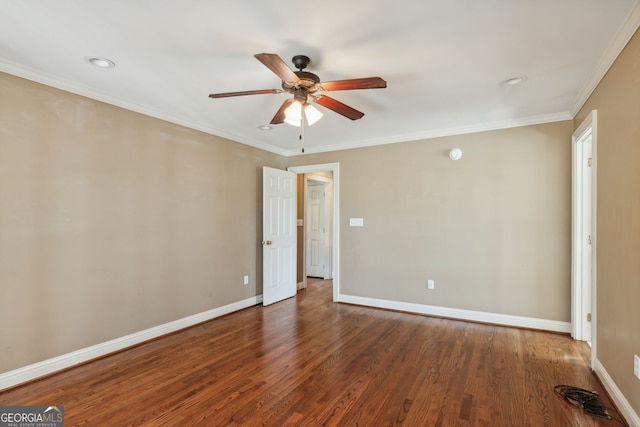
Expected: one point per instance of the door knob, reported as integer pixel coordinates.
(266, 242)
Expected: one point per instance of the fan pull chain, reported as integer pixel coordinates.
(302, 120)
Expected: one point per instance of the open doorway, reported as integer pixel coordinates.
(324, 177)
(317, 225)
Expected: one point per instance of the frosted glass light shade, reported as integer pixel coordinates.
(293, 114)
(312, 114)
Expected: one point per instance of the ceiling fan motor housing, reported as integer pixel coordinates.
(307, 80)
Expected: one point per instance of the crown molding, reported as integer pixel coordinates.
(76, 89)
(626, 31)
(438, 133)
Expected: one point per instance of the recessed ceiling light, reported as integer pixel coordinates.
(513, 81)
(265, 127)
(100, 62)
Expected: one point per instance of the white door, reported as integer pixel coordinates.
(586, 237)
(583, 259)
(279, 235)
(316, 229)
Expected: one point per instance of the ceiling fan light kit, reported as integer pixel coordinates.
(304, 86)
(294, 113)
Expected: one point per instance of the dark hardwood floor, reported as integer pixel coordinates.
(310, 362)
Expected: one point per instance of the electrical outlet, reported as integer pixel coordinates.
(246, 280)
(431, 284)
(636, 366)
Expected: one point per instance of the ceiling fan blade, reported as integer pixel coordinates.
(338, 107)
(364, 83)
(246, 92)
(279, 117)
(278, 66)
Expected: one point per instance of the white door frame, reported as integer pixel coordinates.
(578, 312)
(335, 253)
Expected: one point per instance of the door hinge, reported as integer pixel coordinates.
(589, 239)
(590, 161)
(588, 317)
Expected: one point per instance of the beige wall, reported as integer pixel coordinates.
(112, 222)
(492, 229)
(617, 100)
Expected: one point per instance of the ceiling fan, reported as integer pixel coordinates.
(304, 86)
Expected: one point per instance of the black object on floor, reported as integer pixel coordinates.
(589, 401)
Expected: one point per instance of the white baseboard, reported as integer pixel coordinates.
(456, 313)
(616, 395)
(49, 366)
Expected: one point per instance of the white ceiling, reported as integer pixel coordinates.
(443, 60)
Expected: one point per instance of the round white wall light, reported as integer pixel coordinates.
(455, 154)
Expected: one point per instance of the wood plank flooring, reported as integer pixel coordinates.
(307, 361)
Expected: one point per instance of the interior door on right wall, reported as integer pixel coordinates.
(584, 229)
(586, 232)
